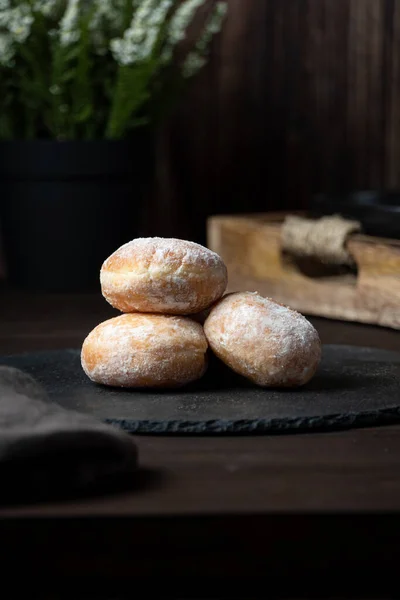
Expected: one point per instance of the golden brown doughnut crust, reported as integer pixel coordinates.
(163, 275)
(262, 340)
(143, 350)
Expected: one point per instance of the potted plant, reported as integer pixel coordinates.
(84, 86)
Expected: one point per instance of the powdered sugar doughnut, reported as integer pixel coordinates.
(141, 350)
(163, 275)
(262, 340)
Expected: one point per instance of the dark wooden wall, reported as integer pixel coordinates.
(299, 96)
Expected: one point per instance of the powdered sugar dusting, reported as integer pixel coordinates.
(163, 275)
(162, 249)
(269, 342)
(153, 253)
(144, 350)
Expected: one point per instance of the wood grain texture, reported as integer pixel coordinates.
(251, 247)
(306, 515)
(2, 262)
(300, 96)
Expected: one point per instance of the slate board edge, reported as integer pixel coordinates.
(386, 416)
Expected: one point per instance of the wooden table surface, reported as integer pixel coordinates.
(219, 506)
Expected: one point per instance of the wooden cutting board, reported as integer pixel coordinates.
(251, 248)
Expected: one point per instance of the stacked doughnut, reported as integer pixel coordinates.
(171, 294)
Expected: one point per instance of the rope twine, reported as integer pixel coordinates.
(324, 239)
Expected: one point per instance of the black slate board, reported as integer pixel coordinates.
(354, 387)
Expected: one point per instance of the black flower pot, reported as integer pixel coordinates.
(65, 206)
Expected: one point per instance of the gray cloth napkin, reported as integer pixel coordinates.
(47, 451)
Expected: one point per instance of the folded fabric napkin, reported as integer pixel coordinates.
(47, 451)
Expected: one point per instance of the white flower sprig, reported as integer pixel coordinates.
(139, 40)
(6, 50)
(107, 18)
(69, 24)
(86, 69)
(197, 58)
(176, 31)
(15, 27)
(17, 21)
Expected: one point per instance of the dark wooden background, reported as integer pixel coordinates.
(299, 96)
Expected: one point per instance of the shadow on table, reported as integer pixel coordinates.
(62, 489)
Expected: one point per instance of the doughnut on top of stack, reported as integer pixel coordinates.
(163, 275)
